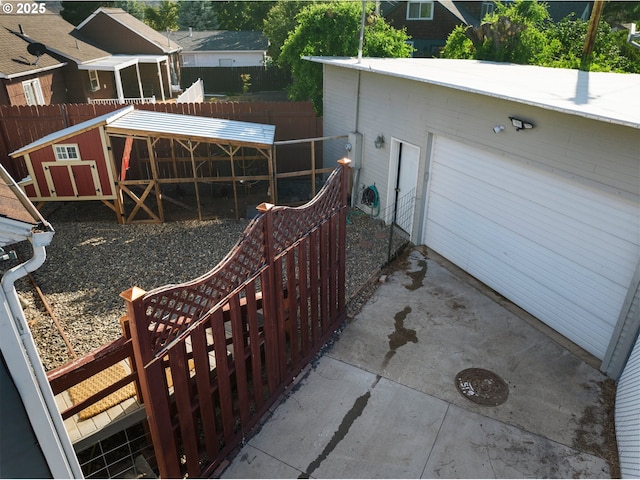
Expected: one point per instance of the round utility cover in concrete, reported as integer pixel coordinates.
(482, 386)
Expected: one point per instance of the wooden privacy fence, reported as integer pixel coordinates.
(213, 354)
(21, 125)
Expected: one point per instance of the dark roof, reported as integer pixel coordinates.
(137, 26)
(221, 40)
(15, 61)
(54, 32)
(18, 216)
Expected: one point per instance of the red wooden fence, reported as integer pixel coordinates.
(21, 125)
(214, 354)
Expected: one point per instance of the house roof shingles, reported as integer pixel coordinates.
(135, 25)
(221, 40)
(16, 61)
(53, 32)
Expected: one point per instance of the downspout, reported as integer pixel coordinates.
(70, 467)
(357, 160)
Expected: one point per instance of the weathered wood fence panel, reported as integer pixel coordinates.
(215, 353)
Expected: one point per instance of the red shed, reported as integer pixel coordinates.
(129, 158)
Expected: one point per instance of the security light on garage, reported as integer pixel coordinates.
(520, 124)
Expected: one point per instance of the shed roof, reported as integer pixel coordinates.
(221, 40)
(194, 127)
(70, 131)
(603, 96)
(144, 122)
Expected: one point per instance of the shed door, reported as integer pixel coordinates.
(563, 251)
(73, 179)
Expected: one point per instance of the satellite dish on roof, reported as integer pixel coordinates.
(36, 49)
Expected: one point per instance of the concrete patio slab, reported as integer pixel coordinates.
(383, 401)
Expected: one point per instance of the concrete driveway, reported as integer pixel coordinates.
(386, 401)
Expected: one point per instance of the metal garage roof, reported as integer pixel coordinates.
(604, 96)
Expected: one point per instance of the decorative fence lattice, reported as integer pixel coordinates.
(213, 354)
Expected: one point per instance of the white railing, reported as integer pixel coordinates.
(124, 101)
(193, 94)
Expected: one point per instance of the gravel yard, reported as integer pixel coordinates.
(92, 259)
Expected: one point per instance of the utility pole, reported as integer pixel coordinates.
(590, 40)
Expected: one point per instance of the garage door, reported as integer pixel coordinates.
(563, 251)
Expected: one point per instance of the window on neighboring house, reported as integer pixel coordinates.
(66, 152)
(487, 8)
(420, 10)
(188, 60)
(94, 81)
(33, 92)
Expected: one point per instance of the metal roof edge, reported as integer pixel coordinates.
(71, 131)
(362, 66)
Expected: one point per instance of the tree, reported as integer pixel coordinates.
(512, 33)
(280, 21)
(163, 16)
(242, 15)
(199, 15)
(132, 7)
(75, 12)
(522, 32)
(621, 12)
(332, 29)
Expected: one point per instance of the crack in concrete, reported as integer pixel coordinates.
(354, 412)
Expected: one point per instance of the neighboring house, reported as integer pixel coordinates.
(222, 48)
(26, 79)
(89, 73)
(69, 83)
(429, 22)
(34, 442)
(121, 33)
(527, 178)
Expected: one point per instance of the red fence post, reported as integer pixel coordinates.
(342, 240)
(153, 391)
(275, 369)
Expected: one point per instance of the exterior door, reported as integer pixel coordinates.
(403, 179)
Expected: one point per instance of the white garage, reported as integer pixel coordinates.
(562, 250)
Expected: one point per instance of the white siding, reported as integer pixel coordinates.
(212, 59)
(628, 411)
(562, 250)
(585, 150)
